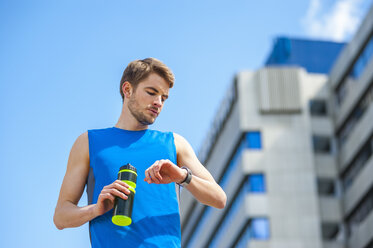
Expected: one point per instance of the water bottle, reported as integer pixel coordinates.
(123, 208)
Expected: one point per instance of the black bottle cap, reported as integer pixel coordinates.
(128, 167)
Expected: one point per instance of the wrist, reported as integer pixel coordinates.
(184, 175)
(187, 178)
(94, 211)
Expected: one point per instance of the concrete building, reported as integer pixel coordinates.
(264, 158)
(292, 149)
(351, 87)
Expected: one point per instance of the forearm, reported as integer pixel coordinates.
(206, 192)
(70, 215)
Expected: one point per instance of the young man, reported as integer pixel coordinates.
(161, 159)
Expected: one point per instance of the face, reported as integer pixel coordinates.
(146, 101)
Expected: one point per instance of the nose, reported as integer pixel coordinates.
(158, 101)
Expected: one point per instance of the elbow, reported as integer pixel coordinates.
(222, 201)
(57, 223)
(59, 227)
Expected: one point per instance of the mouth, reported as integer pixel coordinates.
(153, 112)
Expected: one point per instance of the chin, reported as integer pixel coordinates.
(147, 122)
(151, 122)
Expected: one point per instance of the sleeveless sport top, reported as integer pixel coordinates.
(155, 216)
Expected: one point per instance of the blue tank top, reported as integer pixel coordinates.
(155, 216)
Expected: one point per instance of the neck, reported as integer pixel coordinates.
(128, 122)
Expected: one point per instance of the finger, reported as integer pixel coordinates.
(121, 188)
(154, 164)
(115, 192)
(118, 193)
(153, 176)
(157, 169)
(106, 196)
(147, 177)
(116, 182)
(121, 183)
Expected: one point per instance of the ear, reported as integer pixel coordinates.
(127, 89)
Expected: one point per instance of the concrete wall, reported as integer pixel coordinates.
(291, 202)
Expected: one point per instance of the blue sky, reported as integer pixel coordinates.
(61, 63)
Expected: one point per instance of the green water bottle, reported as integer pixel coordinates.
(123, 208)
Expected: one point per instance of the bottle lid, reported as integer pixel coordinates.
(128, 167)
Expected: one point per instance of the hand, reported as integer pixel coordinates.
(105, 200)
(163, 172)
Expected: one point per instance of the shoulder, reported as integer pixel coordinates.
(179, 139)
(82, 141)
(181, 144)
(186, 155)
(80, 147)
(82, 138)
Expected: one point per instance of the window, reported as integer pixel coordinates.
(205, 216)
(360, 212)
(232, 166)
(256, 183)
(260, 228)
(363, 60)
(244, 239)
(318, 107)
(355, 72)
(233, 163)
(326, 187)
(251, 140)
(321, 144)
(357, 165)
(232, 212)
(257, 228)
(341, 93)
(254, 140)
(355, 116)
(330, 231)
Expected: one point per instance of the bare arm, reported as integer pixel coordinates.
(67, 213)
(202, 186)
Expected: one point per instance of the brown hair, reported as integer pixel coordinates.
(138, 70)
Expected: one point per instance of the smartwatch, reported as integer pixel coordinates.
(188, 178)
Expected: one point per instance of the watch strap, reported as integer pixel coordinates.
(188, 177)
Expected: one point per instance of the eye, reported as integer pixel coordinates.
(151, 93)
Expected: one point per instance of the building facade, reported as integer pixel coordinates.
(292, 149)
(264, 159)
(351, 87)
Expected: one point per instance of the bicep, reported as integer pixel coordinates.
(187, 157)
(77, 171)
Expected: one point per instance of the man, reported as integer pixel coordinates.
(161, 159)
